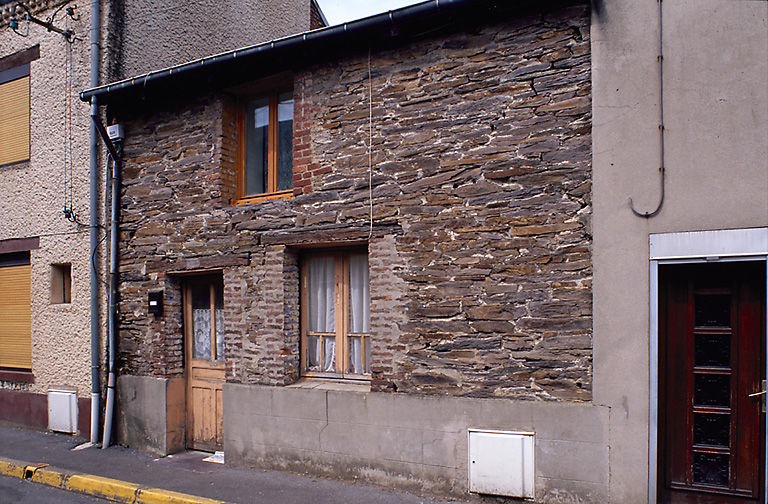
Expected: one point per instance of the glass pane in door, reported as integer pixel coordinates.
(201, 321)
(207, 299)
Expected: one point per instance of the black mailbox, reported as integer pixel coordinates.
(155, 305)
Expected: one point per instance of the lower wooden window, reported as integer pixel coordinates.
(335, 315)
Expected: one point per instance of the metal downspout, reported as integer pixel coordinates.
(94, 222)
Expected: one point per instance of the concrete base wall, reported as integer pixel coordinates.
(416, 442)
(31, 410)
(151, 413)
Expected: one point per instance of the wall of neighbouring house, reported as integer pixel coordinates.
(716, 118)
(480, 256)
(33, 198)
(33, 192)
(148, 36)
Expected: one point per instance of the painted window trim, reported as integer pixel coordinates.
(745, 244)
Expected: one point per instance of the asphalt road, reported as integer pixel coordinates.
(19, 491)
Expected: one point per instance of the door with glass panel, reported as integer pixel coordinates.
(205, 367)
(335, 315)
(712, 400)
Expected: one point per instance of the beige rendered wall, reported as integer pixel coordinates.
(157, 35)
(716, 142)
(33, 199)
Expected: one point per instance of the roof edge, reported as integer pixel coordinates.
(390, 19)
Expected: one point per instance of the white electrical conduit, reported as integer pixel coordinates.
(660, 58)
(112, 338)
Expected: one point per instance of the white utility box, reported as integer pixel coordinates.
(62, 410)
(501, 463)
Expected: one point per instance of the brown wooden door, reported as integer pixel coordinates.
(712, 328)
(203, 303)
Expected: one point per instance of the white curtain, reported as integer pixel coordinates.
(321, 353)
(322, 313)
(201, 323)
(219, 334)
(355, 355)
(329, 354)
(359, 295)
(359, 312)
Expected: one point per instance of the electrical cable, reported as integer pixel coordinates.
(370, 146)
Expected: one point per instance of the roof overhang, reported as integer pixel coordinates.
(312, 47)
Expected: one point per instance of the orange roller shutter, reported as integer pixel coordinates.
(14, 121)
(15, 317)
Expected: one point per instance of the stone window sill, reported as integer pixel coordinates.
(329, 384)
(263, 197)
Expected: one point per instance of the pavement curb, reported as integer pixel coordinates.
(98, 486)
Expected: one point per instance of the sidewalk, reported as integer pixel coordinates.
(186, 473)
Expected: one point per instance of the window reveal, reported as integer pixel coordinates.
(336, 315)
(61, 283)
(265, 165)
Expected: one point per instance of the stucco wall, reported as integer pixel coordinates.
(154, 35)
(33, 197)
(716, 142)
(33, 192)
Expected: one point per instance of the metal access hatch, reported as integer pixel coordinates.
(501, 463)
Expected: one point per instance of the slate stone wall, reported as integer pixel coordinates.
(480, 249)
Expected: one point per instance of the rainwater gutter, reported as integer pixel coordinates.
(390, 18)
(94, 223)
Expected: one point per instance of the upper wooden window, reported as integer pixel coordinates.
(15, 312)
(335, 315)
(265, 154)
(14, 115)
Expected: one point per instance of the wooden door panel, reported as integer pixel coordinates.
(711, 357)
(205, 377)
(219, 420)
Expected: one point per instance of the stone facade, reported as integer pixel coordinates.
(480, 245)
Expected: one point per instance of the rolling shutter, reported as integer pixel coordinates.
(15, 317)
(14, 120)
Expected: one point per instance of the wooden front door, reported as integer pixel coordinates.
(712, 362)
(205, 368)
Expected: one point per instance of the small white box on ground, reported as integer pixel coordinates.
(62, 410)
(501, 463)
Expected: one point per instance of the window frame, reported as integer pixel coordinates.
(341, 299)
(272, 150)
